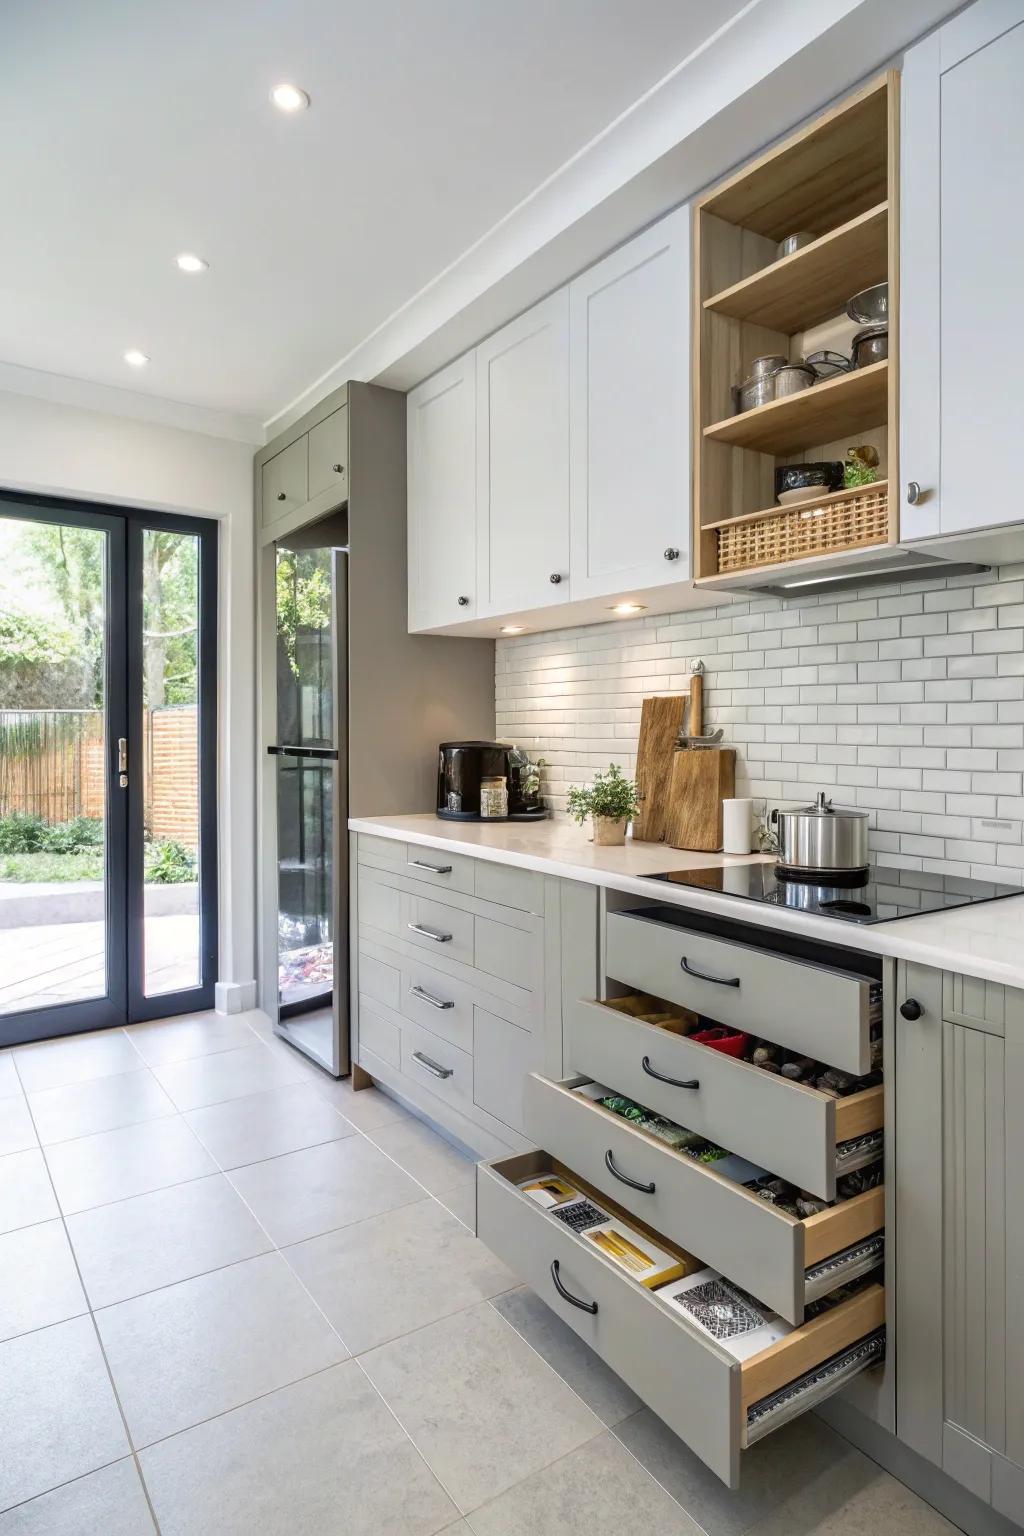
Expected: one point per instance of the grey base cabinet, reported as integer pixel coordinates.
(960, 1232)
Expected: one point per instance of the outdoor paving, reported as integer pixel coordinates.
(50, 963)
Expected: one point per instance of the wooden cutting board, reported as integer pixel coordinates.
(702, 777)
(661, 720)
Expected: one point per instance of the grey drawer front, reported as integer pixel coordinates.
(451, 870)
(755, 1245)
(509, 886)
(379, 1034)
(503, 1057)
(693, 1385)
(285, 481)
(380, 850)
(788, 1129)
(514, 954)
(425, 991)
(437, 928)
(821, 1012)
(328, 454)
(438, 1065)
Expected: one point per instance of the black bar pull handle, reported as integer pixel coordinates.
(574, 1301)
(624, 1178)
(719, 981)
(676, 1082)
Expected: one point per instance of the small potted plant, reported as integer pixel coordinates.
(610, 803)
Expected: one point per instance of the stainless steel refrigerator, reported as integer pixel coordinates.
(311, 752)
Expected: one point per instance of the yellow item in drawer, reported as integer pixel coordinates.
(636, 1254)
(549, 1190)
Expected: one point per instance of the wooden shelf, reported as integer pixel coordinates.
(816, 282)
(821, 414)
(825, 500)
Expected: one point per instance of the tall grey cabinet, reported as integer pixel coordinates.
(960, 1231)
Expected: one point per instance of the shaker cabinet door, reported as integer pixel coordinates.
(629, 414)
(441, 445)
(961, 232)
(522, 461)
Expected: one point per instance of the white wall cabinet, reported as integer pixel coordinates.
(961, 232)
(522, 461)
(441, 443)
(629, 414)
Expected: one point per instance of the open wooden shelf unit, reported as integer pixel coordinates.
(837, 179)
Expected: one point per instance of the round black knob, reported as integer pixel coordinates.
(281, 496)
(463, 602)
(339, 469)
(671, 554)
(911, 1009)
(554, 578)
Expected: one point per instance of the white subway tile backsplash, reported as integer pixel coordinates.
(908, 701)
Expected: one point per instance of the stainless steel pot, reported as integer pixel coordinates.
(822, 838)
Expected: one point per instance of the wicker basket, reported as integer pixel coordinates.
(794, 533)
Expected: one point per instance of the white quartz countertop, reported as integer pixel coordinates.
(986, 941)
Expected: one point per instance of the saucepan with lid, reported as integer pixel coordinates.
(821, 839)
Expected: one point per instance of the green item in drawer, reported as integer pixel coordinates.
(676, 1136)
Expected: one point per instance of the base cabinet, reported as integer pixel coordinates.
(960, 1232)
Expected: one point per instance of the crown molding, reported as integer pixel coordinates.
(60, 389)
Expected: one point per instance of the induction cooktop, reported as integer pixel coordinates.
(877, 896)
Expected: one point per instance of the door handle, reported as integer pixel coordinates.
(432, 1066)
(429, 933)
(719, 981)
(428, 997)
(624, 1178)
(122, 762)
(675, 1082)
(435, 869)
(574, 1301)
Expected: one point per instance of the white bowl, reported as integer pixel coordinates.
(800, 494)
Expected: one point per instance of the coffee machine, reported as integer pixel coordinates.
(467, 771)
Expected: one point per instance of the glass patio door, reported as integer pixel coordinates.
(107, 706)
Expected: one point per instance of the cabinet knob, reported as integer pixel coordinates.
(339, 469)
(281, 496)
(911, 1009)
(671, 554)
(913, 491)
(554, 578)
(463, 602)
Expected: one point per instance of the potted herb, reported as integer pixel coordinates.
(610, 803)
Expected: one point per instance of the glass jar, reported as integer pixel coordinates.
(493, 798)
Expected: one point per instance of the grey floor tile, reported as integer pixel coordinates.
(102, 1104)
(772, 1471)
(321, 1456)
(75, 1059)
(305, 1193)
(853, 1497)
(366, 1109)
(196, 1034)
(17, 1132)
(461, 1202)
(396, 1272)
(267, 1124)
(426, 1155)
(225, 1075)
(94, 1170)
(10, 1082)
(137, 1245)
(105, 1503)
(193, 1350)
(39, 1283)
(58, 1415)
(597, 1490)
(576, 1363)
(26, 1194)
(483, 1409)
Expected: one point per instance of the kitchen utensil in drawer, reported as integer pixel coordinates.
(870, 346)
(650, 1342)
(729, 1042)
(821, 1010)
(821, 838)
(758, 1245)
(794, 242)
(870, 306)
(793, 379)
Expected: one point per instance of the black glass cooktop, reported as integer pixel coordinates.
(875, 897)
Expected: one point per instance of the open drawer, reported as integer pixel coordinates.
(818, 1009)
(782, 1260)
(790, 1129)
(713, 1401)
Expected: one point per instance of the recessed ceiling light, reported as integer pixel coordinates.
(135, 358)
(625, 609)
(513, 629)
(288, 98)
(186, 262)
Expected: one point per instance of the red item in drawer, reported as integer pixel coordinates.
(728, 1041)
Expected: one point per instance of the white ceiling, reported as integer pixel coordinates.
(135, 129)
